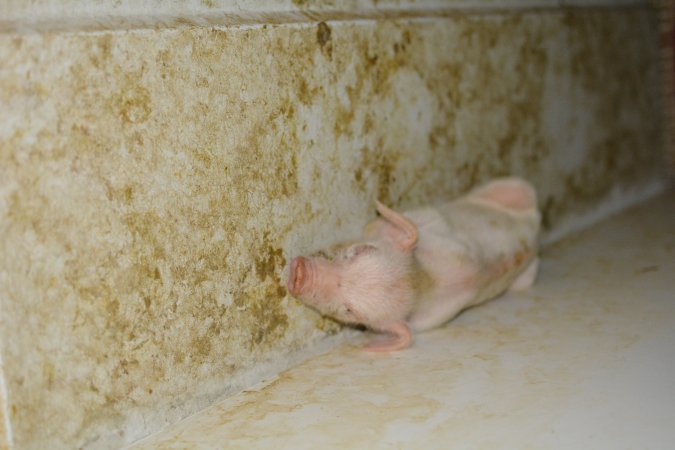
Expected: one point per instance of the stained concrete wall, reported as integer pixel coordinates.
(153, 183)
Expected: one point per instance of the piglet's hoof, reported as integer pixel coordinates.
(398, 337)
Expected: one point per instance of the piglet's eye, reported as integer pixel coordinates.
(356, 250)
(364, 249)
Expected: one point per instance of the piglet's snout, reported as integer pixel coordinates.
(297, 276)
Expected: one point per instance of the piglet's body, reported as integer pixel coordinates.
(417, 270)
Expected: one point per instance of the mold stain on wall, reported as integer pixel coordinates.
(154, 184)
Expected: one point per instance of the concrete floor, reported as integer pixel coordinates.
(585, 359)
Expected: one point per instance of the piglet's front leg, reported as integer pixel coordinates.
(396, 337)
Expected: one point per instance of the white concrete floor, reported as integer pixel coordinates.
(584, 360)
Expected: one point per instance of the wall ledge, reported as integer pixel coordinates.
(18, 16)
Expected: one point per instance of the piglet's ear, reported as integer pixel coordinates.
(403, 232)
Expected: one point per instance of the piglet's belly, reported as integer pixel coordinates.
(473, 254)
(495, 280)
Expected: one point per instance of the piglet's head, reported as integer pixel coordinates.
(368, 282)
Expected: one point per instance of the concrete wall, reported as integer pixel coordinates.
(154, 182)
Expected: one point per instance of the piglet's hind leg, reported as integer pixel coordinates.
(397, 337)
(526, 279)
(510, 193)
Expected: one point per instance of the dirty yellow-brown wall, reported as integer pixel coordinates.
(154, 182)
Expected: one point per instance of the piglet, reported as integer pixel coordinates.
(415, 271)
